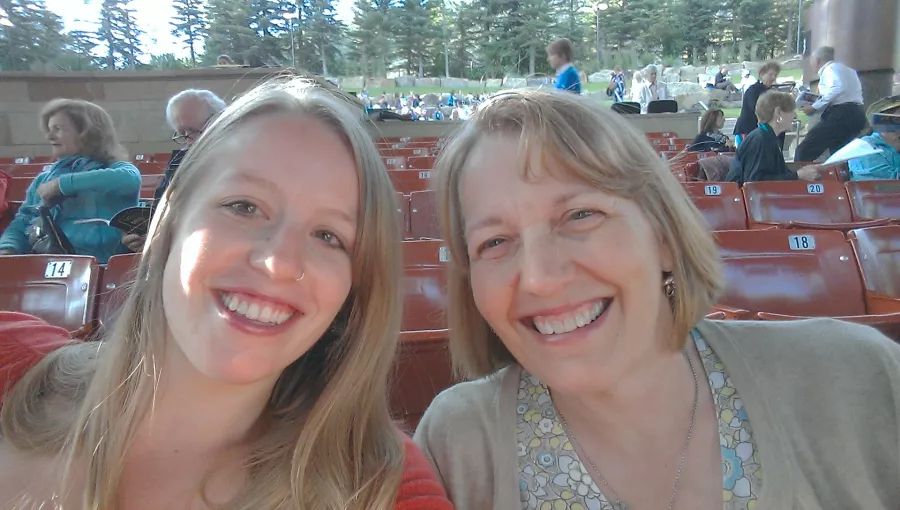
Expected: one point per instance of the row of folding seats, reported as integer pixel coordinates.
(770, 275)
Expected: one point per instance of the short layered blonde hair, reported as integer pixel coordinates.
(600, 148)
(765, 106)
(96, 131)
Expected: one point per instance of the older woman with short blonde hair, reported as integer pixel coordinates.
(580, 276)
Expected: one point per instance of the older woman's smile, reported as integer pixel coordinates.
(567, 319)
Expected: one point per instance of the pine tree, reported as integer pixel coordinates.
(120, 33)
(189, 24)
(416, 34)
(323, 34)
(30, 33)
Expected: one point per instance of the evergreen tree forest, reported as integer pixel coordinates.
(472, 39)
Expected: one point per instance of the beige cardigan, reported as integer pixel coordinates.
(823, 399)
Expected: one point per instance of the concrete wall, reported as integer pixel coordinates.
(136, 101)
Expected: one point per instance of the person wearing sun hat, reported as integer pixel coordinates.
(886, 138)
(24, 341)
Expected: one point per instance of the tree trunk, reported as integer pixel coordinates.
(444, 37)
(324, 58)
(421, 67)
(531, 60)
(790, 33)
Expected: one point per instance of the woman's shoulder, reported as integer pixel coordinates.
(814, 346)
(467, 401)
(420, 488)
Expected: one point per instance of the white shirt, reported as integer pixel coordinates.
(654, 92)
(838, 84)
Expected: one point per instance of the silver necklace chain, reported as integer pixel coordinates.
(622, 505)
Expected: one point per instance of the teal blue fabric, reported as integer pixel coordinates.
(877, 166)
(91, 190)
(568, 80)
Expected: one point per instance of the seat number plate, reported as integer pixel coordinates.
(58, 269)
(425, 175)
(815, 189)
(444, 254)
(802, 242)
(712, 190)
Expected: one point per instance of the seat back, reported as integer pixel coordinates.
(407, 181)
(423, 215)
(877, 251)
(149, 183)
(403, 214)
(120, 271)
(57, 288)
(791, 272)
(721, 203)
(422, 370)
(874, 200)
(627, 108)
(663, 106)
(782, 202)
(424, 285)
(18, 187)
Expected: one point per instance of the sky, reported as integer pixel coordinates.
(153, 17)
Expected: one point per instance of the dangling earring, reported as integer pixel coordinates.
(669, 288)
(779, 120)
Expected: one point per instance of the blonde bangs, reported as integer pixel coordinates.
(577, 139)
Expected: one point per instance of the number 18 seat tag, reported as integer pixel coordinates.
(802, 242)
(58, 269)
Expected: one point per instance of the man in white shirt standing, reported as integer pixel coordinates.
(840, 105)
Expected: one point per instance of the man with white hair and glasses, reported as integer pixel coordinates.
(840, 105)
(188, 113)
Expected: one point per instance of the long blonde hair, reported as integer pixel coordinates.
(327, 440)
(577, 138)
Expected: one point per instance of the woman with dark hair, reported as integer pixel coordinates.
(746, 122)
(90, 179)
(710, 138)
(760, 158)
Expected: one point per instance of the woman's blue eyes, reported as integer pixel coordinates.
(582, 214)
(330, 238)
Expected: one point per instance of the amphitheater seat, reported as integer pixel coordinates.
(18, 186)
(9, 214)
(154, 168)
(874, 200)
(423, 361)
(29, 170)
(403, 214)
(423, 215)
(149, 183)
(877, 251)
(790, 274)
(57, 288)
(721, 203)
(394, 162)
(421, 162)
(800, 204)
(407, 181)
(120, 271)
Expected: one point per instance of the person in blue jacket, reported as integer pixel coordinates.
(91, 179)
(559, 55)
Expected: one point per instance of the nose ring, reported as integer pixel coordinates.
(301, 277)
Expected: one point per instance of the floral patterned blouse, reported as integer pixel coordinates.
(551, 476)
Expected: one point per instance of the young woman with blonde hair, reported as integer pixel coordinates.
(579, 278)
(249, 366)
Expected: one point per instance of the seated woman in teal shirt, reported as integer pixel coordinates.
(886, 164)
(90, 179)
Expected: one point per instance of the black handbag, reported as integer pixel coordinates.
(50, 238)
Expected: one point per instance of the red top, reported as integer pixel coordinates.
(25, 340)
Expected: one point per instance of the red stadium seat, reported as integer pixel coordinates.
(421, 162)
(120, 271)
(789, 274)
(800, 204)
(9, 215)
(149, 183)
(407, 181)
(423, 220)
(30, 170)
(877, 251)
(154, 168)
(423, 362)
(874, 200)
(721, 203)
(394, 162)
(18, 186)
(57, 288)
(403, 214)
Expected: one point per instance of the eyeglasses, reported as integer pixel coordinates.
(183, 138)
